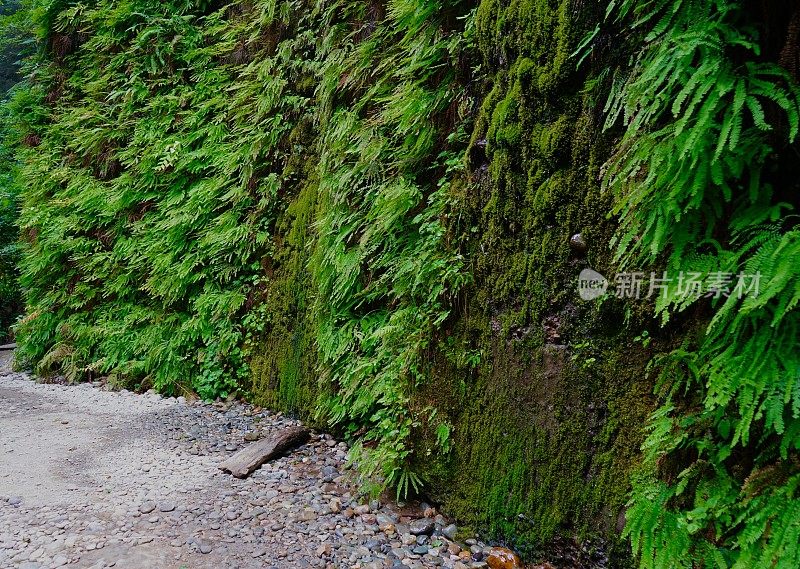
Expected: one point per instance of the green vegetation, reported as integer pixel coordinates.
(383, 275)
(11, 48)
(542, 446)
(706, 179)
(10, 302)
(360, 213)
(148, 217)
(166, 166)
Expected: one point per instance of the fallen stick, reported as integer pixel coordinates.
(8, 347)
(249, 459)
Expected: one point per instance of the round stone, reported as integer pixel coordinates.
(578, 244)
(422, 526)
(450, 531)
(147, 507)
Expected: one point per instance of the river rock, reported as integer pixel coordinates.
(502, 558)
(578, 244)
(147, 507)
(450, 532)
(422, 526)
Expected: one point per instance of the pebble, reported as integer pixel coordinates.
(422, 526)
(502, 558)
(165, 493)
(578, 244)
(166, 507)
(450, 532)
(147, 507)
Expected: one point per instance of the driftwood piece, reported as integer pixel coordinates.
(249, 459)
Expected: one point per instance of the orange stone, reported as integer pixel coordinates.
(502, 558)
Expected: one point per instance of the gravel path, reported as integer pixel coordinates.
(96, 478)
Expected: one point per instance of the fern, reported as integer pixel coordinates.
(12, 46)
(147, 216)
(168, 141)
(383, 272)
(699, 144)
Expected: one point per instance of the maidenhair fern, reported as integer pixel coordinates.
(697, 175)
(145, 216)
(160, 151)
(381, 265)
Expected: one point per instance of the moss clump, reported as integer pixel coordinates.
(284, 360)
(545, 435)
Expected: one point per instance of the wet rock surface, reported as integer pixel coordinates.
(502, 558)
(93, 478)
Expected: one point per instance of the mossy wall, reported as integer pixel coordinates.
(546, 428)
(358, 213)
(284, 360)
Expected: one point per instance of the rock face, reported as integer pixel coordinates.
(537, 216)
(516, 391)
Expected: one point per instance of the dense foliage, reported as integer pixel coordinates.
(147, 218)
(203, 182)
(10, 302)
(162, 142)
(383, 274)
(706, 182)
(11, 48)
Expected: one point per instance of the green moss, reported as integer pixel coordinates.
(285, 355)
(547, 429)
(543, 445)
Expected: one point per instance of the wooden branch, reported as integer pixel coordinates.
(249, 459)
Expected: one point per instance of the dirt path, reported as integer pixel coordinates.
(94, 478)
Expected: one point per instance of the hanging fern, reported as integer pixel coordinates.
(384, 274)
(157, 137)
(160, 152)
(706, 119)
